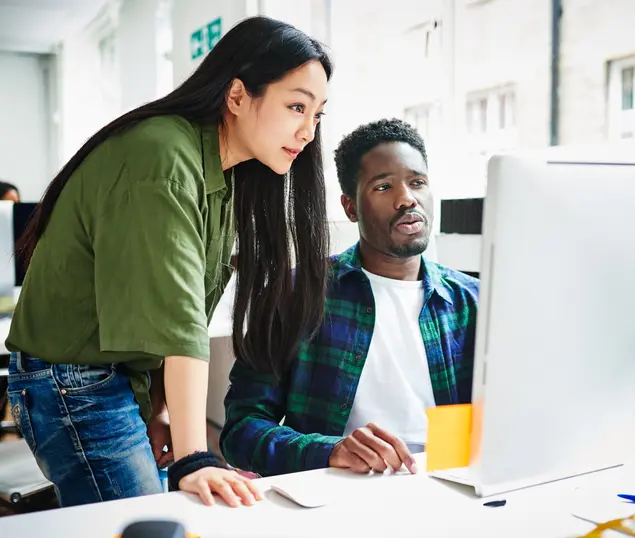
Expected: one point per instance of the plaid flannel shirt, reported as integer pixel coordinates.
(314, 400)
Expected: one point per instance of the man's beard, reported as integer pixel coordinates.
(416, 248)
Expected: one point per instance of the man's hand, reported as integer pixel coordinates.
(371, 448)
(159, 434)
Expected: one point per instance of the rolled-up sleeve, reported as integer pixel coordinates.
(150, 272)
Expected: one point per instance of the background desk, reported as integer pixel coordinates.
(5, 324)
(221, 355)
(397, 506)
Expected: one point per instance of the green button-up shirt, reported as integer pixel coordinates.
(136, 254)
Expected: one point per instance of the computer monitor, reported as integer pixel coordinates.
(21, 214)
(554, 375)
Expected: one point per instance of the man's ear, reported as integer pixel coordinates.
(348, 203)
(237, 97)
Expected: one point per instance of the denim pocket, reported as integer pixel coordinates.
(18, 400)
(83, 378)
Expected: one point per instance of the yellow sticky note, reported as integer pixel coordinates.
(448, 445)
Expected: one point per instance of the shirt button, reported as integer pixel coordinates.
(369, 310)
(344, 407)
(63, 391)
(358, 357)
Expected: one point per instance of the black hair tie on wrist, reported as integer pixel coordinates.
(188, 465)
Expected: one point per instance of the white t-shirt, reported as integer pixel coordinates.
(395, 388)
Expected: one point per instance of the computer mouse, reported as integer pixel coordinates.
(154, 529)
(304, 496)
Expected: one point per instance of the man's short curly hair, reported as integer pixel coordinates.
(354, 146)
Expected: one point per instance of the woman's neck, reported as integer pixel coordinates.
(231, 151)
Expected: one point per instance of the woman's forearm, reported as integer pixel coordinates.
(186, 382)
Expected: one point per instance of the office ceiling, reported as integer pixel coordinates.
(35, 26)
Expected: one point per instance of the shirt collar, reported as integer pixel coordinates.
(349, 261)
(214, 177)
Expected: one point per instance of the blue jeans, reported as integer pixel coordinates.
(83, 425)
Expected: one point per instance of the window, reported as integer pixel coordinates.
(490, 122)
(627, 88)
(501, 111)
(506, 110)
(426, 119)
(469, 117)
(482, 114)
(621, 99)
(476, 110)
(491, 111)
(419, 118)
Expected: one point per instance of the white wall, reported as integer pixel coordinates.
(300, 14)
(592, 35)
(381, 69)
(497, 45)
(24, 142)
(189, 15)
(89, 89)
(106, 68)
(138, 58)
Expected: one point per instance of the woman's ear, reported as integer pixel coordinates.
(348, 204)
(237, 97)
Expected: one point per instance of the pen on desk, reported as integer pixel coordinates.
(626, 497)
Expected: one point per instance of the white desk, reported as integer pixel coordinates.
(5, 325)
(397, 506)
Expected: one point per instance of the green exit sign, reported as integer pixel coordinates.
(205, 38)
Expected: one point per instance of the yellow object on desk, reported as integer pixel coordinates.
(7, 305)
(624, 526)
(449, 430)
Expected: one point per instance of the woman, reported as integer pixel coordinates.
(129, 253)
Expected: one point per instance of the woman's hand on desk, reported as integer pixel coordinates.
(193, 471)
(371, 448)
(233, 488)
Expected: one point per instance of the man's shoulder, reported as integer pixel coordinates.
(456, 282)
(344, 261)
(334, 261)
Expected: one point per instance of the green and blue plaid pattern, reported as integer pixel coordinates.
(314, 400)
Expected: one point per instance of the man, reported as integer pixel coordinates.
(397, 335)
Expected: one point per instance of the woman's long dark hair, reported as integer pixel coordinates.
(279, 220)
